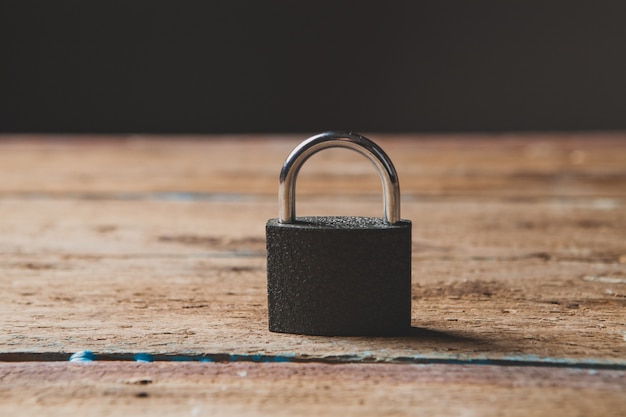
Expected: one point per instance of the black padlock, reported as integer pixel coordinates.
(336, 275)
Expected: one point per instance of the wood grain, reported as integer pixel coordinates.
(93, 252)
(122, 245)
(538, 166)
(197, 389)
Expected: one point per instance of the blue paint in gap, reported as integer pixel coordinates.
(260, 358)
(281, 359)
(518, 360)
(83, 356)
(143, 357)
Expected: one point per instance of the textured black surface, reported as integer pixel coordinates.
(339, 276)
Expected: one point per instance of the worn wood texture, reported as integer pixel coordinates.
(122, 245)
(199, 389)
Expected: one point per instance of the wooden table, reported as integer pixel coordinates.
(155, 245)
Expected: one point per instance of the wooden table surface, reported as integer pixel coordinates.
(153, 248)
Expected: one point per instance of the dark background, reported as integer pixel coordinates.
(286, 66)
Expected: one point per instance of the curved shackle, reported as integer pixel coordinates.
(364, 146)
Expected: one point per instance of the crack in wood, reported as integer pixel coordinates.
(521, 361)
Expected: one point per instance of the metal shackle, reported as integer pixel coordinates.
(364, 146)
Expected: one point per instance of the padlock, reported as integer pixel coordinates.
(339, 275)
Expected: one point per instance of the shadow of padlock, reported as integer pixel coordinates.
(339, 275)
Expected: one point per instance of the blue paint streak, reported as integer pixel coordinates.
(143, 357)
(258, 358)
(367, 357)
(82, 356)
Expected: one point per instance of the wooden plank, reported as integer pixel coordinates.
(306, 389)
(518, 246)
(497, 166)
(98, 279)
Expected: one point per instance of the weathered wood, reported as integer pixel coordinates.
(172, 277)
(518, 245)
(554, 166)
(126, 245)
(307, 389)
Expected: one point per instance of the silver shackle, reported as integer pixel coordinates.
(364, 146)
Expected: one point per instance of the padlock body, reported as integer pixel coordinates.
(339, 276)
